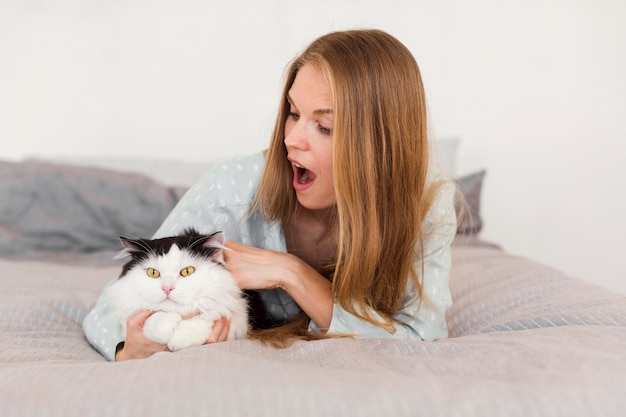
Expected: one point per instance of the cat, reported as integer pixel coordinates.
(176, 277)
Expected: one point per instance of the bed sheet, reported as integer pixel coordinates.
(526, 340)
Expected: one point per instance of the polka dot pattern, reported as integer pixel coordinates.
(220, 201)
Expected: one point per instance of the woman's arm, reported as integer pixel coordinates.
(103, 331)
(261, 269)
(421, 316)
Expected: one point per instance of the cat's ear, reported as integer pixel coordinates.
(216, 242)
(130, 246)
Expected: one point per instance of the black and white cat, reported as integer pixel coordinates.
(175, 277)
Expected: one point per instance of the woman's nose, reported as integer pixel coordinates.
(296, 134)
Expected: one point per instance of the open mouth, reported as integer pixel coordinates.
(302, 175)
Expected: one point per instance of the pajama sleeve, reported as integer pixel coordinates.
(218, 201)
(102, 331)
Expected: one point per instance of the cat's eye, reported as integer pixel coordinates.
(153, 272)
(186, 271)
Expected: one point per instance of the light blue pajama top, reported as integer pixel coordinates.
(220, 201)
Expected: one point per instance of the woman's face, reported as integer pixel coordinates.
(308, 138)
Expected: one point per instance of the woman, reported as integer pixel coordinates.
(341, 218)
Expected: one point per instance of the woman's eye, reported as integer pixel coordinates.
(324, 130)
(186, 271)
(153, 272)
(294, 115)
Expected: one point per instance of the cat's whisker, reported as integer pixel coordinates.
(147, 250)
(204, 239)
(199, 241)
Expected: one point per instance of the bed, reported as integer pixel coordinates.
(525, 339)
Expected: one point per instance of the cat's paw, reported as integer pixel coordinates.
(160, 326)
(189, 333)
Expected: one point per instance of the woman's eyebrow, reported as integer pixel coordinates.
(318, 111)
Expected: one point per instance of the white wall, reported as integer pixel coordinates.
(535, 90)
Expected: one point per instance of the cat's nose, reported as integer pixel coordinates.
(167, 289)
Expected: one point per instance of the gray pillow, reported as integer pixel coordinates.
(467, 203)
(57, 207)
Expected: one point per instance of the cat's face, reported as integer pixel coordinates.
(174, 274)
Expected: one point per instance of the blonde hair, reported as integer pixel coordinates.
(380, 162)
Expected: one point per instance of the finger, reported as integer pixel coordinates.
(231, 249)
(218, 326)
(138, 319)
(229, 244)
(225, 331)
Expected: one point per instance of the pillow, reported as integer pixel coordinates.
(467, 203)
(169, 172)
(67, 208)
(57, 207)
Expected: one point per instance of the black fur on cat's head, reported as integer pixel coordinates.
(206, 246)
(210, 247)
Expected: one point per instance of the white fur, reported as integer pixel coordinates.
(210, 292)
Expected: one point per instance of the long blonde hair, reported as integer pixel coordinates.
(380, 162)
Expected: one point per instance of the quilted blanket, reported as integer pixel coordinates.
(525, 340)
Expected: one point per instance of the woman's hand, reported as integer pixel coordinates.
(220, 330)
(262, 269)
(257, 269)
(137, 346)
